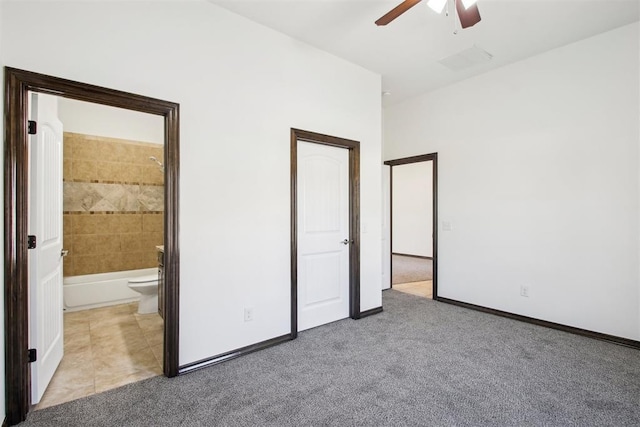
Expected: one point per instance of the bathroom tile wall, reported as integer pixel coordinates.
(113, 204)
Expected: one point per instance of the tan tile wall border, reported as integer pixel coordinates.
(99, 197)
(113, 217)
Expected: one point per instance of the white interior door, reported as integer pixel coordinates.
(45, 261)
(323, 234)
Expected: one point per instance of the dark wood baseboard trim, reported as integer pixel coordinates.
(573, 330)
(370, 312)
(205, 363)
(412, 256)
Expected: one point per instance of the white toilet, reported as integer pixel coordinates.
(147, 287)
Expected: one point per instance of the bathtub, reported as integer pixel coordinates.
(100, 290)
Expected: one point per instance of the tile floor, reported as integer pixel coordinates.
(105, 348)
(421, 289)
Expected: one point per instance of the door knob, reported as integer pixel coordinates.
(64, 252)
(345, 242)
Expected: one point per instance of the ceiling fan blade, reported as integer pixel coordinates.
(468, 17)
(397, 11)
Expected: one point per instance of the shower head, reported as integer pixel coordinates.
(153, 158)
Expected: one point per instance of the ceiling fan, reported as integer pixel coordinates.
(467, 11)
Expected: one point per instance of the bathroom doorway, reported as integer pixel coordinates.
(112, 185)
(19, 84)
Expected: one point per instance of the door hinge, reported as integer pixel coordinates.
(33, 355)
(31, 242)
(32, 127)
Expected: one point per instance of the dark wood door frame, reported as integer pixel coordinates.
(354, 219)
(434, 227)
(18, 83)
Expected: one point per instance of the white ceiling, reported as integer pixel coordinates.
(406, 52)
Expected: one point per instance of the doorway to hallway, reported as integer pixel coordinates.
(412, 222)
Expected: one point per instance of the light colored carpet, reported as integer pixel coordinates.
(419, 363)
(405, 269)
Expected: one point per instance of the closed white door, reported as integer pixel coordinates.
(323, 234)
(45, 261)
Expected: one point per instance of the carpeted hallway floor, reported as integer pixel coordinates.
(419, 363)
(407, 269)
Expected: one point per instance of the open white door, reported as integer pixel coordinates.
(323, 234)
(45, 261)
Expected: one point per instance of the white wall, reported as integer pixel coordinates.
(412, 209)
(101, 120)
(2, 358)
(241, 87)
(386, 227)
(538, 168)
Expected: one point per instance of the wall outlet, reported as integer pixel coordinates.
(524, 291)
(248, 314)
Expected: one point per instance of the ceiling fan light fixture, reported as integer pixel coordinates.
(468, 3)
(437, 5)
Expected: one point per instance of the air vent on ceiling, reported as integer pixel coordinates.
(466, 59)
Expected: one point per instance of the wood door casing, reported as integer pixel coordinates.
(354, 219)
(18, 83)
(432, 157)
